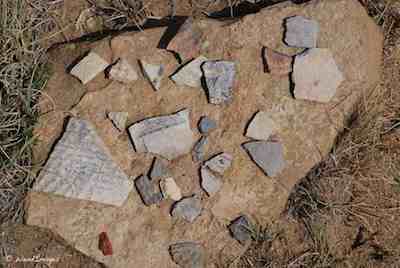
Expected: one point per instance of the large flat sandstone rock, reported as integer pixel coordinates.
(142, 235)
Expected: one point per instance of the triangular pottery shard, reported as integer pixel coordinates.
(154, 73)
(80, 167)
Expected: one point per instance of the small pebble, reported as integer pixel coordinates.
(241, 229)
(199, 149)
(159, 169)
(170, 189)
(154, 73)
(206, 125)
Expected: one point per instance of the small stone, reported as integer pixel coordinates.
(189, 208)
(199, 148)
(241, 229)
(209, 182)
(159, 169)
(190, 74)
(89, 67)
(316, 75)
(118, 119)
(206, 124)
(170, 189)
(220, 163)
(301, 32)
(267, 155)
(187, 254)
(148, 191)
(169, 136)
(187, 41)
(105, 244)
(219, 77)
(261, 127)
(154, 73)
(277, 63)
(123, 72)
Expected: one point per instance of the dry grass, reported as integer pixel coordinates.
(347, 209)
(22, 75)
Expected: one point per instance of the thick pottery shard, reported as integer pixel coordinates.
(89, 67)
(316, 75)
(219, 77)
(168, 136)
(301, 32)
(267, 155)
(190, 74)
(148, 191)
(80, 167)
(154, 73)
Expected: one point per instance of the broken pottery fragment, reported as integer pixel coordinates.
(159, 169)
(190, 74)
(169, 136)
(241, 229)
(277, 63)
(206, 124)
(316, 75)
(154, 73)
(189, 208)
(118, 119)
(148, 191)
(105, 245)
(80, 167)
(219, 77)
(210, 182)
(261, 126)
(187, 41)
(123, 72)
(187, 254)
(170, 189)
(199, 149)
(89, 67)
(219, 163)
(267, 155)
(301, 32)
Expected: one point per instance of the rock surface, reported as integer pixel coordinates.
(210, 182)
(148, 190)
(190, 74)
(81, 167)
(269, 156)
(123, 72)
(169, 136)
(170, 189)
(118, 119)
(141, 235)
(154, 73)
(187, 254)
(301, 32)
(278, 64)
(89, 67)
(187, 41)
(261, 126)
(206, 125)
(47, 249)
(241, 229)
(316, 75)
(220, 163)
(219, 77)
(189, 208)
